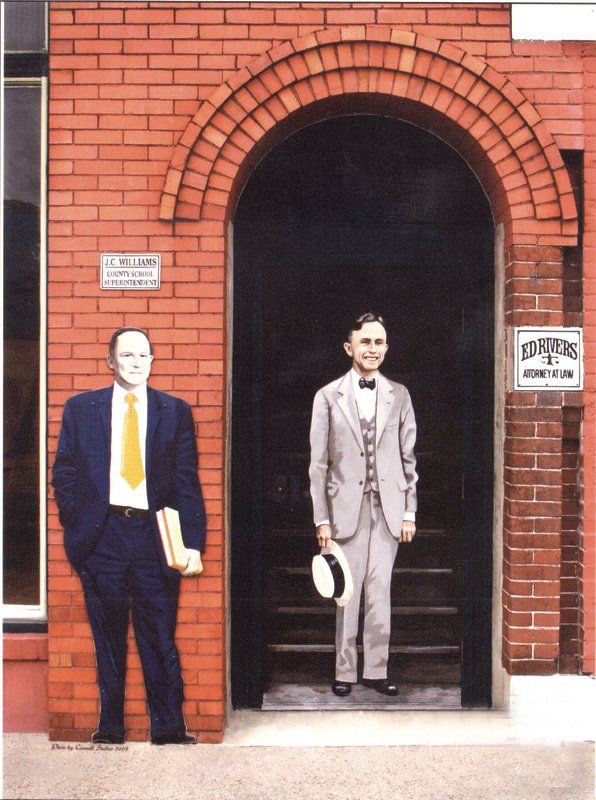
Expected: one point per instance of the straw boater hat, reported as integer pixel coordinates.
(331, 574)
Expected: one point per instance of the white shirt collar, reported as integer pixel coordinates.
(120, 393)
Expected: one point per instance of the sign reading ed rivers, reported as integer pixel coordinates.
(548, 358)
(140, 271)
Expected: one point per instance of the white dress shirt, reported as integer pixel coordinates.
(121, 493)
(366, 401)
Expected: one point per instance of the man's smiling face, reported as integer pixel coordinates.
(367, 348)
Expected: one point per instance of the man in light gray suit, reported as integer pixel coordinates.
(363, 487)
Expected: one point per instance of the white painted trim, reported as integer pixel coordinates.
(43, 355)
(2, 251)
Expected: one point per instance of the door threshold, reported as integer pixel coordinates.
(317, 697)
(375, 728)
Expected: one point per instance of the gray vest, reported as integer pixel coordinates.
(369, 436)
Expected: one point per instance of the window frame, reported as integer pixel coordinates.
(12, 613)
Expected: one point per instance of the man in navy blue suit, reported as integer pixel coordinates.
(124, 452)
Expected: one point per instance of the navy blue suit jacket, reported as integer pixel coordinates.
(81, 475)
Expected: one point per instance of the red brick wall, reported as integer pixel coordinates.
(589, 428)
(24, 679)
(571, 631)
(126, 79)
(535, 474)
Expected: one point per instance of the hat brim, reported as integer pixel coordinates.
(325, 588)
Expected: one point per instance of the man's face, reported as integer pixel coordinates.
(132, 359)
(367, 348)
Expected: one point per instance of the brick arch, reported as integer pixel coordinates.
(466, 102)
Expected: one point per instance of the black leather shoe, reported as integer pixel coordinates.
(101, 737)
(382, 686)
(341, 688)
(174, 738)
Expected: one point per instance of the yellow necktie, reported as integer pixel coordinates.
(132, 464)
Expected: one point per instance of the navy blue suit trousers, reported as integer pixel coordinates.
(123, 576)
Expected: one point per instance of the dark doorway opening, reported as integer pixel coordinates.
(353, 214)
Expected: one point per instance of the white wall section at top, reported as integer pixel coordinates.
(554, 21)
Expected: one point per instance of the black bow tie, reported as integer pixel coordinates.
(364, 384)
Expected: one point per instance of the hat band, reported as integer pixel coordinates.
(337, 573)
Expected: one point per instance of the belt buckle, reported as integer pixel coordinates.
(128, 512)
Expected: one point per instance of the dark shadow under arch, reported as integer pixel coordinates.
(355, 213)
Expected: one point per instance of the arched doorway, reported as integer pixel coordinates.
(352, 214)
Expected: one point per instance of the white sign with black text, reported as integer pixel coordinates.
(139, 271)
(548, 359)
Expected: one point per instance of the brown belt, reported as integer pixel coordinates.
(127, 511)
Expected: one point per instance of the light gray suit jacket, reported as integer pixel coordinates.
(338, 463)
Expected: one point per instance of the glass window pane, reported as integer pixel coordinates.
(24, 26)
(22, 131)
(22, 142)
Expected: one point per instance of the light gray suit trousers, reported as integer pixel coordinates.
(370, 552)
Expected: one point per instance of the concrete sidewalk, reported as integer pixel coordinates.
(540, 749)
(37, 768)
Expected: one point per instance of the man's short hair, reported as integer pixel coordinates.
(119, 331)
(362, 320)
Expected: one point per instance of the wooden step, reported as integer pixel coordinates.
(309, 534)
(330, 648)
(399, 610)
(396, 570)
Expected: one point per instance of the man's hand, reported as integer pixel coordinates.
(194, 565)
(408, 531)
(324, 535)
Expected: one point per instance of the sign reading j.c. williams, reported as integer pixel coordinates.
(130, 271)
(548, 358)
